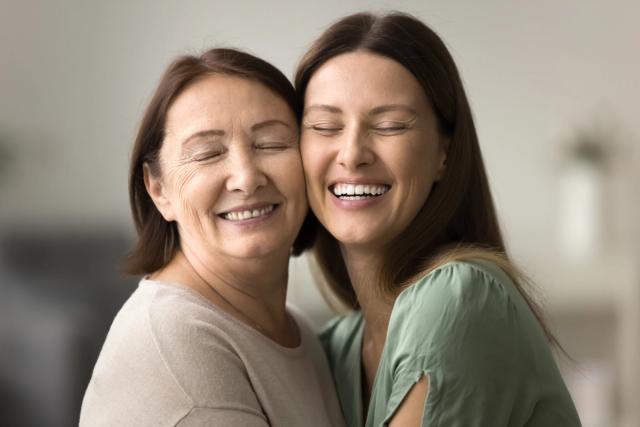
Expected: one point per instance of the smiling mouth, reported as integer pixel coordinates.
(243, 215)
(358, 191)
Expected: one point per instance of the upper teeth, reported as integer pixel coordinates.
(358, 189)
(253, 213)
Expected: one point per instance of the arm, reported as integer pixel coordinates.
(411, 410)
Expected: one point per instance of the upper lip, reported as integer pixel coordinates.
(250, 207)
(357, 181)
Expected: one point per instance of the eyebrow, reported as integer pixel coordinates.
(220, 132)
(322, 107)
(391, 107)
(374, 111)
(268, 123)
(203, 133)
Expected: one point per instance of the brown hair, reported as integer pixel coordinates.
(158, 240)
(458, 220)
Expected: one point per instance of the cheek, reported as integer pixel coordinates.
(315, 169)
(195, 189)
(180, 178)
(314, 159)
(287, 174)
(421, 177)
(422, 158)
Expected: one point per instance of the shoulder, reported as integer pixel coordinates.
(179, 319)
(175, 315)
(472, 304)
(472, 286)
(458, 278)
(199, 345)
(131, 366)
(172, 349)
(156, 318)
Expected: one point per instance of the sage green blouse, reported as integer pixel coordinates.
(466, 327)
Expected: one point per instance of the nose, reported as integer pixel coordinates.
(354, 151)
(245, 174)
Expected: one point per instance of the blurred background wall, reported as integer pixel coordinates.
(553, 86)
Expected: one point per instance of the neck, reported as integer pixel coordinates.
(251, 290)
(376, 310)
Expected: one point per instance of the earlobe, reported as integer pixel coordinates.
(442, 161)
(442, 165)
(155, 189)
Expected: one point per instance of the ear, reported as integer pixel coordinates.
(442, 158)
(156, 190)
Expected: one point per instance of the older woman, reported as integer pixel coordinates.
(443, 333)
(217, 194)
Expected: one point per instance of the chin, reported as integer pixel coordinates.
(355, 237)
(259, 249)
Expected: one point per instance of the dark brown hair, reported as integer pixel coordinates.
(458, 220)
(158, 239)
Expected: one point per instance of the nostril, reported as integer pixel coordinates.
(247, 180)
(354, 155)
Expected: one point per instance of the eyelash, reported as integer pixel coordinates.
(208, 156)
(263, 146)
(331, 130)
(396, 127)
(275, 146)
(325, 130)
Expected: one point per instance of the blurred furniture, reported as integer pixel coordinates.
(595, 310)
(59, 291)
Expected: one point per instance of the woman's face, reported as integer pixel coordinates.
(370, 148)
(231, 175)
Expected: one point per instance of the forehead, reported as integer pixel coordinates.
(218, 99)
(363, 76)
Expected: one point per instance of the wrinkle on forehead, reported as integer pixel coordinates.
(213, 101)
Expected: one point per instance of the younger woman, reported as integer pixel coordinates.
(443, 333)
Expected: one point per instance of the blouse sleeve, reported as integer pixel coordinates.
(474, 337)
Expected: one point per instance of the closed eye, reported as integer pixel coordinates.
(209, 155)
(272, 146)
(390, 128)
(326, 130)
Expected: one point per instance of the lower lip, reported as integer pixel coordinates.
(356, 204)
(252, 222)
